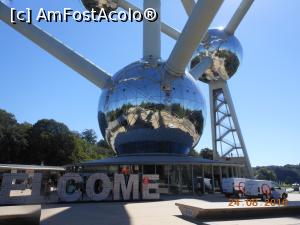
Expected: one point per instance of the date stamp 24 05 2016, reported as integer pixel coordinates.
(232, 202)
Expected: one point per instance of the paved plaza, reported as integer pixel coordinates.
(148, 213)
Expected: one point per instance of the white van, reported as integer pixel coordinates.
(264, 189)
(233, 186)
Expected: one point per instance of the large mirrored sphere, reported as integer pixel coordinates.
(146, 112)
(97, 5)
(224, 50)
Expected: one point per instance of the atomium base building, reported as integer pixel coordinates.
(152, 126)
(177, 174)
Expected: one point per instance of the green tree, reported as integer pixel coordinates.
(193, 152)
(288, 180)
(51, 142)
(265, 174)
(47, 141)
(7, 119)
(81, 150)
(206, 153)
(104, 148)
(13, 139)
(102, 143)
(89, 135)
(87, 151)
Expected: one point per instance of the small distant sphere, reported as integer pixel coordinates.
(224, 50)
(107, 5)
(144, 113)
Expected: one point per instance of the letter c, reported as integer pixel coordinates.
(62, 185)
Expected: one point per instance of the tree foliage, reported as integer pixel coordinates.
(265, 174)
(206, 153)
(89, 135)
(48, 142)
(13, 138)
(193, 153)
(288, 174)
(48, 138)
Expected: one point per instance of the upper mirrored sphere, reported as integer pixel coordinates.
(149, 111)
(224, 50)
(97, 5)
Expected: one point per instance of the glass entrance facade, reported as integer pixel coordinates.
(176, 178)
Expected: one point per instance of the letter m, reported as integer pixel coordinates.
(132, 186)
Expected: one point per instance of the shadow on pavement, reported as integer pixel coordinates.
(217, 197)
(85, 213)
(233, 218)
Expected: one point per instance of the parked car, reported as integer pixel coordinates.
(264, 189)
(233, 186)
(199, 181)
(295, 186)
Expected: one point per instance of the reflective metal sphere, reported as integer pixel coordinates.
(149, 111)
(225, 51)
(107, 5)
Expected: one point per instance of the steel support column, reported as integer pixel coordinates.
(227, 171)
(212, 179)
(203, 183)
(168, 166)
(227, 139)
(221, 177)
(193, 179)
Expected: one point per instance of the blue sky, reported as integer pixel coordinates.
(265, 90)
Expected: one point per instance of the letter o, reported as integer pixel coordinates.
(77, 16)
(138, 16)
(106, 187)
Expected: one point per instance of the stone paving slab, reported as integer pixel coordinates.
(147, 213)
(21, 214)
(238, 212)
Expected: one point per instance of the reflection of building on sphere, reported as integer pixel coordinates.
(224, 50)
(141, 115)
(107, 5)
